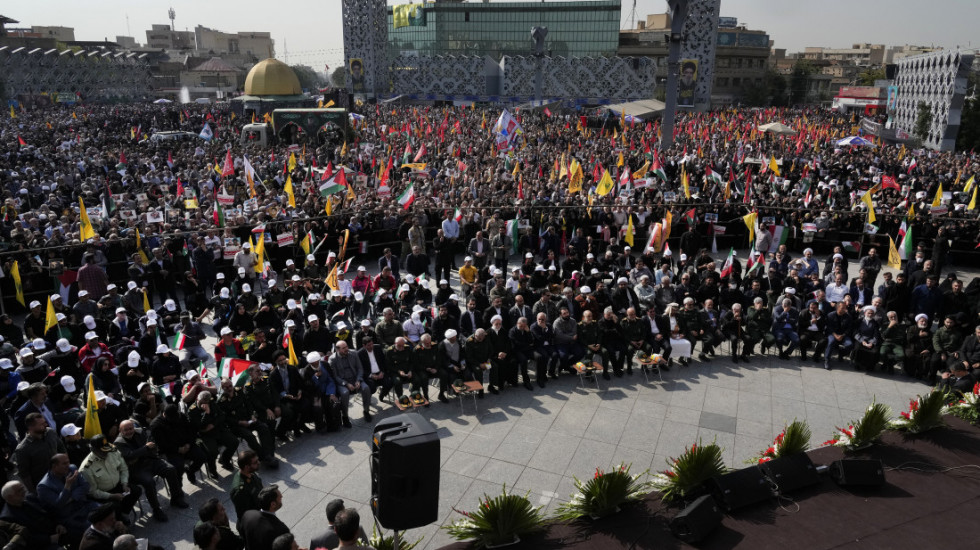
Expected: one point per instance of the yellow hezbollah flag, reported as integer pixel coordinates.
(51, 318)
(866, 199)
(85, 231)
(289, 191)
(331, 279)
(685, 183)
(773, 166)
(629, 232)
(605, 184)
(92, 425)
(259, 249)
(973, 201)
(292, 161)
(328, 206)
(749, 220)
(620, 161)
(18, 289)
(12, 113)
(642, 171)
(329, 104)
(343, 150)
(894, 260)
(293, 360)
(139, 249)
(146, 300)
(939, 196)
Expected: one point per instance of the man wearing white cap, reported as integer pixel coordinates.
(85, 306)
(245, 259)
(35, 321)
(166, 366)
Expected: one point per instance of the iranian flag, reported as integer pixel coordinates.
(513, 231)
(178, 341)
(780, 233)
(905, 247)
(235, 370)
(753, 263)
(852, 246)
(458, 215)
(913, 165)
(407, 197)
(726, 270)
(170, 159)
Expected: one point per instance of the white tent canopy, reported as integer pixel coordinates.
(777, 128)
(644, 108)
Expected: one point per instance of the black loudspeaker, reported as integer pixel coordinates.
(865, 471)
(697, 521)
(791, 473)
(405, 472)
(740, 488)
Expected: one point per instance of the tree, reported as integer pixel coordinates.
(799, 81)
(923, 119)
(870, 76)
(308, 78)
(968, 137)
(338, 78)
(772, 91)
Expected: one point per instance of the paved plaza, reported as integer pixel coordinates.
(537, 440)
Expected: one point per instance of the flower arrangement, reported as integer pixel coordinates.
(497, 521)
(604, 493)
(968, 408)
(794, 439)
(924, 414)
(864, 432)
(379, 541)
(688, 472)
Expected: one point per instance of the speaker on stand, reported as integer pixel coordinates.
(405, 472)
(697, 521)
(858, 472)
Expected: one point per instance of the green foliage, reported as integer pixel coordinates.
(799, 81)
(924, 414)
(603, 494)
(497, 520)
(923, 119)
(772, 91)
(969, 135)
(338, 78)
(868, 77)
(689, 471)
(796, 439)
(380, 541)
(874, 422)
(308, 78)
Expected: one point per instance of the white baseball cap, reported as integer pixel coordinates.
(220, 275)
(290, 262)
(82, 293)
(246, 287)
(289, 323)
(91, 335)
(163, 348)
(225, 330)
(133, 359)
(272, 283)
(132, 284)
(170, 305)
(69, 430)
(311, 257)
(35, 304)
(312, 318)
(63, 345)
(68, 383)
(60, 316)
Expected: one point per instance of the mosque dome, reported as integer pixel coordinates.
(272, 77)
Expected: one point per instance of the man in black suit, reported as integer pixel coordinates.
(260, 527)
(328, 538)
(287, 382)
(478, 249)
(374, 366)
(471, 319)
(389, 260)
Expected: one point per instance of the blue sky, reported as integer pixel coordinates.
(312, 32)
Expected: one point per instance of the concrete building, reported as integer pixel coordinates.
(127, 42)
(163, 37)
(61, 34)
(861, 55)
(259, 45)
(741, 57)
(210, 78)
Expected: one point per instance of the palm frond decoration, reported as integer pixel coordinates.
(924, 414)
(498, 520)
(794, 439)
(687, 473)
(865, 431)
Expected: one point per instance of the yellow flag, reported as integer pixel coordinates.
(15, 274)
(773, 166)
(605, 184)
(667, 224)
(343, 246)
(12, 113)
(939, 196)
(139, 249)
(642, 171)
(331, 279)
(92, 425)
(306, 242)
(85, 231)
(629, 231)
(685, 183)
(350, 193)
(51, 318)
(517, 168)
(866, 199)
(319, 104)
(292, 161)
(620, 161)
(749, 220)
(259, 249)
(343, 150)
(973, 201)
(73, 115)
(563, 169)
(329, 104)
(968, 185)
(289, 192)
(574, 186)
(146, 300)
(293, 360)
(328, 206)
(894, 260)
(728, 190)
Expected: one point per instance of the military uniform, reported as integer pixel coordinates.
(261, 397)
(428, 358)
(400, 361)
(245, 493)
(236, 410)
(590, 337)
(215, 437)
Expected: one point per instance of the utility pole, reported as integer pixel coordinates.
(678, 14)
(172, 15)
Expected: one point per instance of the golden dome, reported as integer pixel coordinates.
(272, 77)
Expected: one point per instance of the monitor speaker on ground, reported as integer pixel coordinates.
(740, 488)
(859, 472)
(405, 472)
(697, 521)
(791, 473)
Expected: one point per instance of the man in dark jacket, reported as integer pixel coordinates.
(145, 465)
(840, 329)
(260, 527)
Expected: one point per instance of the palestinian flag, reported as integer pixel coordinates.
(235, 370)
(850, 246)
(691, 218)
(178, 341)
(407, 197)
(170, 159)
(219, 214)
(906, 249)
(20, 140)
(513, 231)
(335, 185)
(110, 205)
(327, 172)
(658, 170)
(713, 176)
(726, 270)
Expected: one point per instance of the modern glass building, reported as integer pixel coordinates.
(495, 29)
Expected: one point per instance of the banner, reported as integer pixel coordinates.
(285, 239)
(226, 200)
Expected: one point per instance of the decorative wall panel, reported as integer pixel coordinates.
(700, 38)
(939, 80)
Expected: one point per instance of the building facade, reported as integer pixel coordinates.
(741, 55)
(162, 37)
(498, 29)
(257, 44)
(937, 80)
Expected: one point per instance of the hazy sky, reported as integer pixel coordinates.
(312, 31)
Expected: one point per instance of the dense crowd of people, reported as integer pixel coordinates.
(448, 252)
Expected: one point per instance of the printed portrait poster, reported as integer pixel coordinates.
(357, 74)
(687, 82)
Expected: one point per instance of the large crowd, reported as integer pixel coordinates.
(449, 252)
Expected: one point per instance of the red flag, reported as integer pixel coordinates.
(180, 188)
(122, 155)
(229, 168)
(889, 182)
(520, 187)
(341, 178)
(420, 154)
(20, 140)
(328, 171)
(547, 112)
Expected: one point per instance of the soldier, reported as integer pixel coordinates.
(262, 399)
(401, 366)
(240, 420)
(208, 421)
